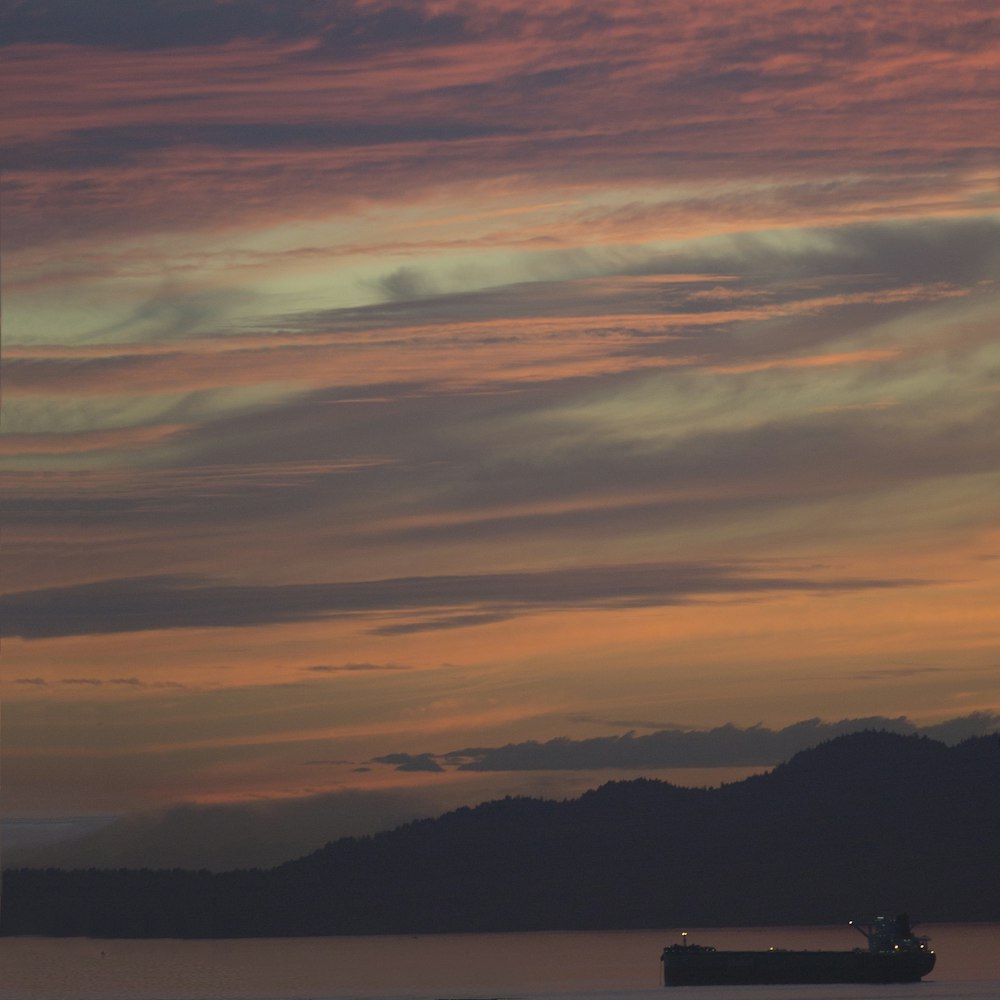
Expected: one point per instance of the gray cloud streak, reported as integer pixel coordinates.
(342, 28)
(107, 146)
(141, 604)
(724, 746)
(354, 668)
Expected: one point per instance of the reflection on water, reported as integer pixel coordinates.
(620, 965)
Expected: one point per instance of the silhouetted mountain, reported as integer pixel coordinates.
(865, 823)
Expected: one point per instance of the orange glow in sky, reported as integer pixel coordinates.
(397, 379)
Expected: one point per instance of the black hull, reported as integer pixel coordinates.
(694, 967)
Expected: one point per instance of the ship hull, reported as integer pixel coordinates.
(691, 967)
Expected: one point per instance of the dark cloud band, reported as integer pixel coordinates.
(152, 603)
(338, 28)
(724, 746)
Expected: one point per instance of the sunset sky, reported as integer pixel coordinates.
(388, 380)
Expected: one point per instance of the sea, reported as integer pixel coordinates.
(599, 965)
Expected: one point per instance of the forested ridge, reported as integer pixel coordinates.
(868, 822)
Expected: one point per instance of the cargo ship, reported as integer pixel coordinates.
(894, 955)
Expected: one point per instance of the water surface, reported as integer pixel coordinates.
(616, 965)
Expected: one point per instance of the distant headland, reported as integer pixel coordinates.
(842, 828)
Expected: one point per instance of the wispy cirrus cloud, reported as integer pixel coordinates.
(372, 327)
(691, 98)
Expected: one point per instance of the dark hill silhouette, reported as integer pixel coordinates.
(864, 823)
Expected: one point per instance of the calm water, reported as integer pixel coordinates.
(622, 965)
